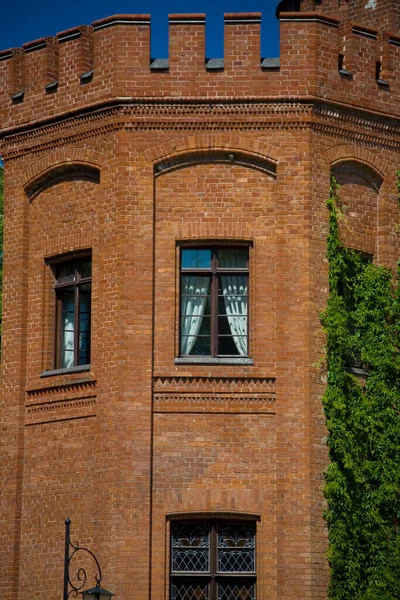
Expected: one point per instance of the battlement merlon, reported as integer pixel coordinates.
(375, 14)
(86, 66)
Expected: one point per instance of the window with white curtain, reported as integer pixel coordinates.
(214, 301)
(73, 311)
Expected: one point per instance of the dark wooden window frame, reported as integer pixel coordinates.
(215, 272)
(56, 264)
(213, 576)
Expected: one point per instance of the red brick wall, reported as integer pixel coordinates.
(139, 436)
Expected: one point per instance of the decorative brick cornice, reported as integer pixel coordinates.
(237, 385)
(49, 412)
(60, 390)
(347, 122)
(214, 403)
(60, 401)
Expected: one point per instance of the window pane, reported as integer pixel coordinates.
(232, 315)
(236, 591)
(233, 258)
(66, 272)
(84, 324)
(67, 297)
(236, 546)
(200, 346)
(190, 548)
(84, 349)
(189, 591)
(220, 296)
(195, 311)
(198, 258)
(86, 269)
(227, 345)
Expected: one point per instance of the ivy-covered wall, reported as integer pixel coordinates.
(362, 408)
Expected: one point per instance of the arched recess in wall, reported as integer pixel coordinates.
(215, 196)
(198, 157)
(359, 155)
(360, 184)
(210, 142)
(66, 172)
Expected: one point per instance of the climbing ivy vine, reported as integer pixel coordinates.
(362, 409)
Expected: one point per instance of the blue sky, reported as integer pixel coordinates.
(26, 20)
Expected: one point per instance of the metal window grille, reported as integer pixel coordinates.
(213, 560)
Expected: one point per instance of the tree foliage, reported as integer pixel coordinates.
(362, 484)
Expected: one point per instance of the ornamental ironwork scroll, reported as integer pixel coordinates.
(80, 578)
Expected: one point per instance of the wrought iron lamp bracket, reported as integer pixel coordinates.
(71, 549)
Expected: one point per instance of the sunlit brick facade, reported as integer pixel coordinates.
(112, 158)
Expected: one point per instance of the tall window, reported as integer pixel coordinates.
(73, 299)
(214, 313)
(213, 560)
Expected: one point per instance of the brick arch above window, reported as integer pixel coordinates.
(356, 154)
(227, 157)
(260, 151)
(59, 158)
(217, 514)
(71, 171)
(360, 185)
(345, 170)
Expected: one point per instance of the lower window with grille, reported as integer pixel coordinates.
(213, 560)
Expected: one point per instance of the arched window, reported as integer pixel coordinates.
(213, 559)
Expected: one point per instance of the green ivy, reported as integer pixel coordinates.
(362, 483)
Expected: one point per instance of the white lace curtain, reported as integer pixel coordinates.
(68, 331)
(68, 328)
(194, 298)
(195, 291)
(234, 289)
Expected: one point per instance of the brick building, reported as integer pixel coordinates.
(164, 271)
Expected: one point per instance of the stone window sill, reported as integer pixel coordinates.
(209, 360)
(69, 371)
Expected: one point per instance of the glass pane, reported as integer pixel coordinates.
(232, 315)
(84, 349)
(190, 548)
(236, 546)
(233, 258)
(84, 310)
(84, 324)
(195, 315)
(66, 272)
(227, 346)
(195, 297)
(189, 591)
(233, 286)
(86, 269)
(236, 535)
(67, 327)
(237, 324)
(196, 258)
(200, 346)
(236, 591)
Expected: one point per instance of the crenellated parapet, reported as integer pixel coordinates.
(87, 66)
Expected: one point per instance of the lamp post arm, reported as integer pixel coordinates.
(81, 575)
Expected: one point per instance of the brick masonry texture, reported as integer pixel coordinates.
(131, 161)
